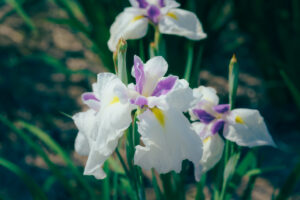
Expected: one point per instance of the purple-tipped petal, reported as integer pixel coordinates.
(153, 13)
(142, 3)
(140, 101)
(91, 100)
(89, 96)
(162, 3)
(164, 86)
(139, 74)
(222, 108)
(217, 126)
(204, 116)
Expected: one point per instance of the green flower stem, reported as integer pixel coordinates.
(189, 62)
(154, 49)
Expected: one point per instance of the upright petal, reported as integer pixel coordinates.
(155, 69)
(246, 127)
(212, 153)
(183, 23)
(168, 140)
(130, 24)
(139, 74)
(205, 97)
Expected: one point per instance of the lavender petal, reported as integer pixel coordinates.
(203, 116)
(164, 86)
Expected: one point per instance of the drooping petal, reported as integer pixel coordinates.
(183, 23)
(246, 127)
(94, 165)
(114, 115)
(87, 126)
(113, 118)
(213, 147)
(168, 140)
(130, 24)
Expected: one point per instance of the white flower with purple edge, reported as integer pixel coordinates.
(167, 135)
(133, 22)
(245, 127)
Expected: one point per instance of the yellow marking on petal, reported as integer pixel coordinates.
(114, 100)
(206, 139)
(172, 15)
(159, 115)
(239, 120)
(137, 18)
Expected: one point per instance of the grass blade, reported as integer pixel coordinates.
(35, 190)
(41, 153)
(19, 9)
(189, 62)
(50, 143)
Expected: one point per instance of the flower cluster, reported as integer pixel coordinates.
(167, 137)
(166, 133)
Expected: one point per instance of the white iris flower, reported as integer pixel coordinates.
(133, 22)
(245, 127)
(167, 135)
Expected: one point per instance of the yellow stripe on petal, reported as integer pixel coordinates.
(136, 18)
(159, 115)
(206, 139)
(239, 120)
(114, 100)
(172, 15)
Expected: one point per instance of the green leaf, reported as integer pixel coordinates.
(32, 144)
(228, 173)
(258, 171)
(35, 190)
(50, 143)
(189, 62)
(19, 9)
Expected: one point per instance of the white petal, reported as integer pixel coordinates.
(183, 23)
(207, 94)
(202, 130)
(180, 97)
(213, 147)
(130, 24)
(86, 124)
(110, 122)
(246, 127)
(94, 165)
(168, 140)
